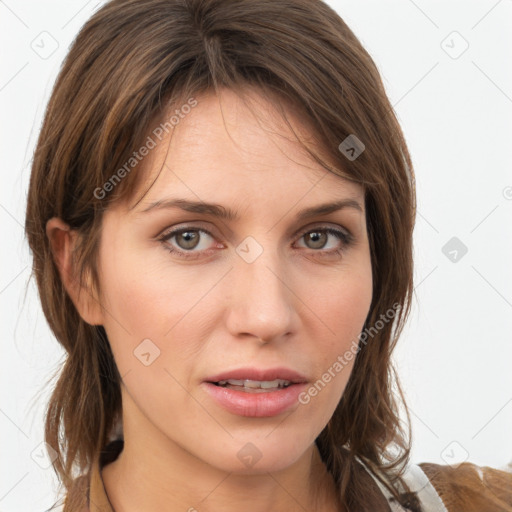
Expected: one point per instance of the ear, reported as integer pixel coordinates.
(84, 296)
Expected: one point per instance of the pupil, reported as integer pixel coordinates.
(317, 236)
(191, 239)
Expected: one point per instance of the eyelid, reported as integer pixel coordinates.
(184, 226)
(322, 225)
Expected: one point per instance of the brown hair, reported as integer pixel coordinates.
(131, 60)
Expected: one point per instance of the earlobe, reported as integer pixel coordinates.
(62, 240)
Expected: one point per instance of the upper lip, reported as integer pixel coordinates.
(260, 374)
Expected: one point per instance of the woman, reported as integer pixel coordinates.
(220, 212)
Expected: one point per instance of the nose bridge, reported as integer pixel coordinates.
(261, 299)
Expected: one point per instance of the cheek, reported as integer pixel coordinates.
(342, 310)
(342, 306)
(153, 300)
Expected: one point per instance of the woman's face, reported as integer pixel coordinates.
(191, 298)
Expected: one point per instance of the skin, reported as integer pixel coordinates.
(293, 306)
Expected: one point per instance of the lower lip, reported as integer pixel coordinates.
(255, 405)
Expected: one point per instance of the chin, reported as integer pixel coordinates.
(260, 455)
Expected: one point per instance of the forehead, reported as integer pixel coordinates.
(242, 150)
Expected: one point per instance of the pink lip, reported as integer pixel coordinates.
(256, 405)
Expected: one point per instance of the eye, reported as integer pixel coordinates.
(192, 242)
(318, 238)
(187, 239)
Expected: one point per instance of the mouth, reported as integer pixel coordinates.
(256, 392)
(254, 386)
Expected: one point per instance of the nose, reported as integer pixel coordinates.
(261, 299)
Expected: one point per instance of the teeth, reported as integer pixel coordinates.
(234, 382)
(267, 384)
(256, 384)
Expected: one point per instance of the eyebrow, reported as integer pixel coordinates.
(217, 210)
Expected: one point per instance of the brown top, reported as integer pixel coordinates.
(465, 488)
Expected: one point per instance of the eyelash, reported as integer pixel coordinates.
(345, 237)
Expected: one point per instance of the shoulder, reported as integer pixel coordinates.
(471, 488)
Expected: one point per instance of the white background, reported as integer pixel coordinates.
(455, 358)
